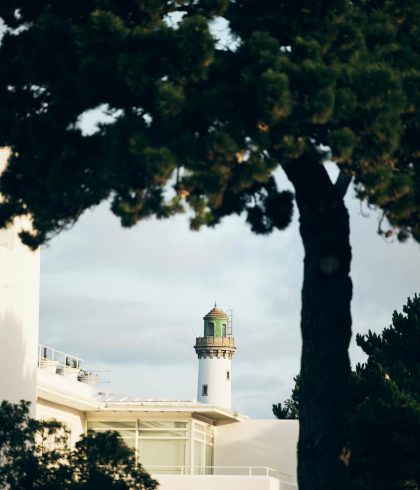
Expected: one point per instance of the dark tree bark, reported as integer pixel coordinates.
(326, 327)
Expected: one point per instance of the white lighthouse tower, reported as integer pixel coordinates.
(215, 351)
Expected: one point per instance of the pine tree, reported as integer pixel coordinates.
(291, 405)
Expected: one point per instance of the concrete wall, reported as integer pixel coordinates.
(72, 418)
(270, 443)
(19, 314)
(175, 482)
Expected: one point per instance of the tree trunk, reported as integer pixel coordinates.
(326, 328)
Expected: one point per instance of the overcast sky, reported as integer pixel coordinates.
(133, 300)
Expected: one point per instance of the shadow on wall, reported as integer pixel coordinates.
(17, 375)
(19, 316)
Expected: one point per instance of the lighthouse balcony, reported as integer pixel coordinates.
(213, 341)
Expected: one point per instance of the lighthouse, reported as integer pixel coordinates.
(215, 351)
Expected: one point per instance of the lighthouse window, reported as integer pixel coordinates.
(224, 330)
(204, 390)
(210, 329)
(228, 375)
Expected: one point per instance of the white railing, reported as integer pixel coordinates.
(221, 470)
(61, 361)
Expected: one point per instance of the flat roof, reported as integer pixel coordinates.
(56, 389)
(217, 414)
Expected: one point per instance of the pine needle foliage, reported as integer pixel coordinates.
(197, 124)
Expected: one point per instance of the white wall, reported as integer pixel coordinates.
(63, 384)
(175, 482)
(270, 443)
(72, 418)
(212, 372)
(19, 314)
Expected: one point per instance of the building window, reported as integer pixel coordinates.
(161, 445)
(126, 430)
(210, 329)
(203, 449)
(204, 390)
(223, 330)
(228, 375)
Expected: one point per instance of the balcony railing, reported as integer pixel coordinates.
(216, 341)
(60, 362)
(223, 471)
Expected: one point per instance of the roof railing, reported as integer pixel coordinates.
(62, 363)
(223, 471)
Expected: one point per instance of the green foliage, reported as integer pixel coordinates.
(291, 405)
(342, 143)
(290, 410)
(385, 406)
(384, 432)
(396, 349)
(35, 454)
(26, 459)
(102, 460)
(213, 124)
(385, 401)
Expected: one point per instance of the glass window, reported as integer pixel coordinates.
(228, 375)
(203, 449)
(210, 329)
(200, 428)
(209, 459)
(160, 444)
(162, 434)
(165, 456)
(204, 390)
(126, 430)
(162, 425)
(199, 462)
(106, 425)
(224, 330)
